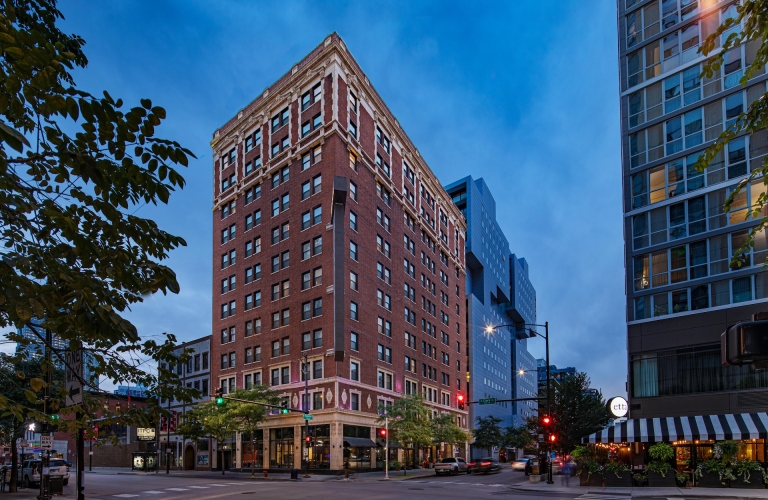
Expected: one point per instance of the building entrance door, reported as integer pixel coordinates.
(189, 458)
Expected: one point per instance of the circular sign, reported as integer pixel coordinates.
(618, 406)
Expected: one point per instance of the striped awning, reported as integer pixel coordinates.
(653, 430)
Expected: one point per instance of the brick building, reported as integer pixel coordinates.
(332, 237)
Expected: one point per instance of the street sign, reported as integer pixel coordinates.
(487, 401)
(74, 373)
(46, 442)
(307, 416)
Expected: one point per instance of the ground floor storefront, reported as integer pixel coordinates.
(338, 439)
(696, 442)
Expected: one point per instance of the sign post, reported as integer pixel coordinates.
(73, 377)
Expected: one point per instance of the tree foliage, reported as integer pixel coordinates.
(214, 421)
(445, 430)
(576, 412)
(248, 417)
(487, 433)
(74, 169)
(409, 422)
(517, 437)
(749, 26)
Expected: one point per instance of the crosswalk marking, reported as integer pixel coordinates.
(152, 492)
(199, 487)
(219, 485)
(599, 496)
(177, 489)
(125, 495)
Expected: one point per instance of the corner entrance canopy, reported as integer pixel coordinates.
(653, 430)
(362, 442)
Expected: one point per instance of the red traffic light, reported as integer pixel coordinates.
(308, 439)
(461, 397)
(546, 420)
(552, 438)
(383, 433)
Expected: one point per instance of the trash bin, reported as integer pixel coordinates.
(294, 473)
(56, 486)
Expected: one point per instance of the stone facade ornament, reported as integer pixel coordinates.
(329, 396)
(295, 400)
(344, 397)
(368, 401)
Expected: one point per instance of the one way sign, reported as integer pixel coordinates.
(74, 374)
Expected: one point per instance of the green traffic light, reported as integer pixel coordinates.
(284, 411)
(55, 417)
(219, 401)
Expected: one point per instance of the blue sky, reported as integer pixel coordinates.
(523, 94)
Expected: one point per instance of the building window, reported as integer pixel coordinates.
(353, 310)
(354, 371)
(353, 280)
(353, 221)
(353, 341)
(353, 250)
(354, 401)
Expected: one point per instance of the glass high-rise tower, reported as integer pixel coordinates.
(682, 288)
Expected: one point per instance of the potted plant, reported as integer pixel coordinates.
(683, 480)
(395, 465)
(640, 479)
(750, 474)
(590, 470)
(659, 468)
(718, 471)
(617, 474)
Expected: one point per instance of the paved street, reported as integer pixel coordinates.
(121, 484)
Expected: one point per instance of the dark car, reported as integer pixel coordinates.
(485, 465)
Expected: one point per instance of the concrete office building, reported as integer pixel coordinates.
(498, 292)
(333, 238)
(682, 291)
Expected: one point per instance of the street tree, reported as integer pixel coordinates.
(248, 417)
(744, 24)
(189, 427)
(487, 433)
(446, 430)
(216, 422)
(408, 422)
(576, 411)
(74, 169)
(21, 379)
(518, 437)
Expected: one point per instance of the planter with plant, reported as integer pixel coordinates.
(639, 478)
(617, 474)
(718, 471)
(589, 468)
(395, 465)
(659, 470)
(749, 474)
(683, 481)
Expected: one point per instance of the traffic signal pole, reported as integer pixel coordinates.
(386, 446)
(306, 410)
(549, 407)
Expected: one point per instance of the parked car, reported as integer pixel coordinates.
(520, 464)
(485, 465)
(451, 466)
(29, 473)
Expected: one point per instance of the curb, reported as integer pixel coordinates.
(631, 496)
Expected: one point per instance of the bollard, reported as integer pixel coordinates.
(266, 472)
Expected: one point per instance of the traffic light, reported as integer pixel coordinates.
(546, 421)
(383, 433)
(219, 397)
(284, 410)
(460, 399)
(552, 438)
(308, 440)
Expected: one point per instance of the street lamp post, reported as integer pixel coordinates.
(489, 329)
(386, 446)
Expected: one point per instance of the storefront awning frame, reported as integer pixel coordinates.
(736, 426)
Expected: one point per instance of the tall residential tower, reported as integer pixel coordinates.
(682, 291)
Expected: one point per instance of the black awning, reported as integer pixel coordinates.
(359, 442)
(734, 426)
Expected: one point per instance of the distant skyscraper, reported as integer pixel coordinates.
(36, 349)
(498, 292)
(682, 291)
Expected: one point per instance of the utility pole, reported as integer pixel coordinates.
(45, 477)
(168, 444)
(305, 371)
(549, 407)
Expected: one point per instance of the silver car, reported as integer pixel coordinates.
(451, 465)
(29, 473)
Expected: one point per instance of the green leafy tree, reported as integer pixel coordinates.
(446, 430)
(487, 433)
(190, 427)
(408, 421)
(21, 380)
(248, 417)
(74, 169)
(517, 437)
(576, 411)
(216, 422)
(749, 26)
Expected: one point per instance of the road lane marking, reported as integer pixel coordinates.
(177, 489)
(125, 495)
(152, 492)
(199, 487)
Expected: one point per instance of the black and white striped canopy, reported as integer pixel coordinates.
(652, 430)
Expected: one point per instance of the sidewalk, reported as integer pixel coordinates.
(641, 492)
(273, 476)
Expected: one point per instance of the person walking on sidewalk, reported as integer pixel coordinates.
(566, 472)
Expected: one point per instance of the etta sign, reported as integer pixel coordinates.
(618, 407)
(145, 433)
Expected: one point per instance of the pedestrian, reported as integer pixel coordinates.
(566, 471)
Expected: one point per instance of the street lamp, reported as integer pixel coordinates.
(532, 333)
